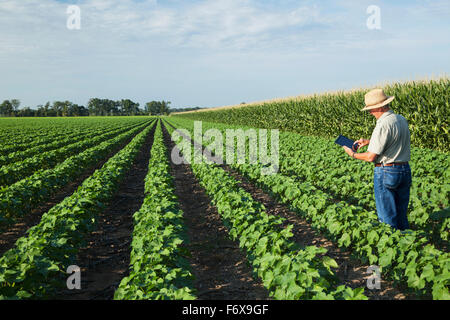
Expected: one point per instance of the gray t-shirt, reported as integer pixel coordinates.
(391, 139)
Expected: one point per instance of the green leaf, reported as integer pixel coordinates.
(428, 272)
(387, 257)
(329, 262)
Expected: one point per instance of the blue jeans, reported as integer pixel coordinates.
(392, 186)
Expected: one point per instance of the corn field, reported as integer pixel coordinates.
(424, 104)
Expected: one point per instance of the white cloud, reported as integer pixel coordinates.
(233, 23)
(206, 24)
(218, 25)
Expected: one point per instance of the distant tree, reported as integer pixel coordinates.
(6, 109)
(106, 107)
(100, 107)
(83, 111)
(66, 107)
(77, 111)
(26, 112)
(39, 111)
(95, 107)
(15, 104)
(59, 108)
(63, 108)
(43, 111)
(165, 107)
(129, 108)
(114, 108)
(157, 107)
(152, 107)
(172, 110)
(48, 112)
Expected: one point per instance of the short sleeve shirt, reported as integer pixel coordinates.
(391, 139)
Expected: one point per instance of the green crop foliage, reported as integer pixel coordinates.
(405, 257)
(35, 267)
(288, 271)
(19, 198)
(159, 269)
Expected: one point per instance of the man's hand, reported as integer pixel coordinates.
(366, 156)
(362, 143)
(348, 151)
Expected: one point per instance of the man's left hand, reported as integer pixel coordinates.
(348, 151)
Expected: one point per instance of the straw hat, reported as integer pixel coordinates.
(376, 98)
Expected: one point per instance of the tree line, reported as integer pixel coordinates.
(95, 107)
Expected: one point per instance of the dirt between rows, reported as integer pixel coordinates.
(350, 272)
(221, 269)
(9, 236)
(105, 260)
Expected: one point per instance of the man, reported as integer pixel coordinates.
(390, 150)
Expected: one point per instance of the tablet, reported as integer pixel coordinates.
(344, 141)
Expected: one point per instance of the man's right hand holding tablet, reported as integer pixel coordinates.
(361, 143)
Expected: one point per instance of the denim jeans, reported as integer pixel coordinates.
(392, 186)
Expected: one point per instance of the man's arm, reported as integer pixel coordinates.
(366, 156)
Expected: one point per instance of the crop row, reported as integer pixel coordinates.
(18, 199)
(158, 267)
(58, 143)
(36, 266)
(21, 137)
(17, 171)
(22, 134)
(10, 156)
(403, 256)
(287, 271)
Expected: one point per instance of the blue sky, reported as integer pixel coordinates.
(216, 52)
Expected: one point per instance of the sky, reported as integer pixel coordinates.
(216, 52)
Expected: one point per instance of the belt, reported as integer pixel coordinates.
(390, 164)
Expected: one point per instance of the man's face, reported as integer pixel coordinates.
(377, 111)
